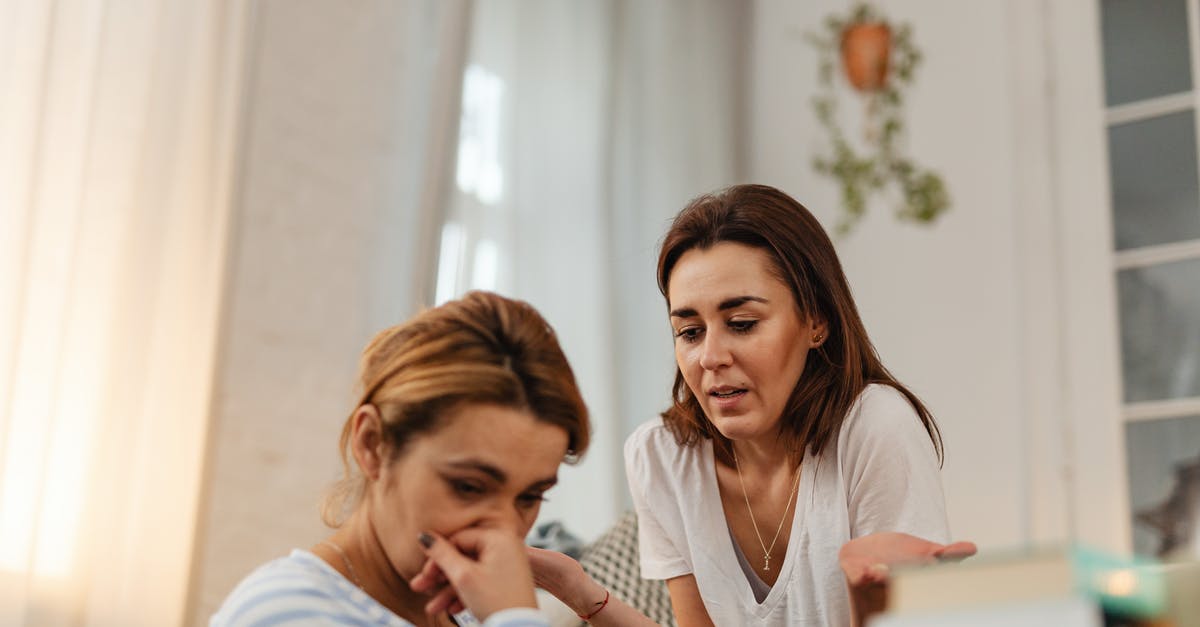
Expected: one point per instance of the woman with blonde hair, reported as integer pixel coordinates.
(466, 412)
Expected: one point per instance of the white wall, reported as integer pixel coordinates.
(966, 312)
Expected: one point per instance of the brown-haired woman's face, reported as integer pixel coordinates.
(740, 342)
(484, 466)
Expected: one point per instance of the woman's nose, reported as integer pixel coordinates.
(506, 518)
(714, 353)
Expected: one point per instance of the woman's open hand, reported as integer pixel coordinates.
(866, 562)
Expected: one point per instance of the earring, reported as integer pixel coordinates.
(818, 337)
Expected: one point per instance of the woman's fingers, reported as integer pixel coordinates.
(869, 559)
(486, 570)
(445, 556)
(956, 552)
(429, 579)
(442, 602)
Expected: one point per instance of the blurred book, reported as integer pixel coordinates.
(1074, 611)
(1009, 578)
(1069, 587)
(1183, 592)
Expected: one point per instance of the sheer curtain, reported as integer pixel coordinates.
(116, 132)
(585, 127)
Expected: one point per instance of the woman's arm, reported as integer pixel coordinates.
(891, 471)
(686, 602)
(563, 577)
(893, 485)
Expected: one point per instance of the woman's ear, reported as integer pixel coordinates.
(818, 331)
(366, 440)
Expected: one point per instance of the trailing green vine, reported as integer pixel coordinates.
(924, 194)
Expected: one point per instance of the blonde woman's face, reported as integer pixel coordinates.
(486, 466)
(740, 341)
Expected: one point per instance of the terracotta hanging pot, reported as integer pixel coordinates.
(865, 50)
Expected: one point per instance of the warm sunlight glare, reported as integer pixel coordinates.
(478, 171)
(449, 259)
(51, 407)
(487, 264)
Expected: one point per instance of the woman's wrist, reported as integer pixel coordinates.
(597, 607)
(586, 597)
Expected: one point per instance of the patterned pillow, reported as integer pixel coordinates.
(612, 560)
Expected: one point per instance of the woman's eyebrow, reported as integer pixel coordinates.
(728, 303)
(684, 312)
(488, 469)
(499, 476)
(738, 301)
(544, 484)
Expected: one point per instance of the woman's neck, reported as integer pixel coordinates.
(763, 455)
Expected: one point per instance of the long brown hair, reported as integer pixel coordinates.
(482, 348)
(803, 257)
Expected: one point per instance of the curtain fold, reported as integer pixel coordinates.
(117, 123)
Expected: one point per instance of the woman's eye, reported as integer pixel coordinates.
(742, 326)
(688, 334)
(466, 488)
(531, 500)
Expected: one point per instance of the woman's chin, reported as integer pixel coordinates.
(746, 426)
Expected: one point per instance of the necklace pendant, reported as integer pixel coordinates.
(767, 563)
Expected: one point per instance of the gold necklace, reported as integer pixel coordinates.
(766, 550)
(346, 561)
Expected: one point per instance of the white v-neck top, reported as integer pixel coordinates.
(880, 475)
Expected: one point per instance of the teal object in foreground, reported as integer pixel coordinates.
(1128, 587)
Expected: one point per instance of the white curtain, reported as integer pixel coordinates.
(116, 132)
(585, 127)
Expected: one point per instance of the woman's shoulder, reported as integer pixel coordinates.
(652, 449)
(652, 435)
(882, 396)
(881, 408)
(298, 587)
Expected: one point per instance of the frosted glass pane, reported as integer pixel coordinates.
(1145, 49)
(1154, 189)
(1160, 330)
(1164, 458)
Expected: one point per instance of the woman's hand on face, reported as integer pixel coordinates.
(867, 561)
(432, 581)
(484, 569)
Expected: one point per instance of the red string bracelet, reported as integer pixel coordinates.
(603, 604)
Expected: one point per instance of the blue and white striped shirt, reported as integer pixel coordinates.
(301, 589)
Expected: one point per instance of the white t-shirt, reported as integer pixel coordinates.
(881, 474)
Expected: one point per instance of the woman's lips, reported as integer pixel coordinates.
(726, 399)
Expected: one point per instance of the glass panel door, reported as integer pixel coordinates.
(1150, 60)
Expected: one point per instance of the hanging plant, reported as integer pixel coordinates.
(878, 60)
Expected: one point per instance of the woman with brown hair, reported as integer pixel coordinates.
(791, 462)
(467, 410)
